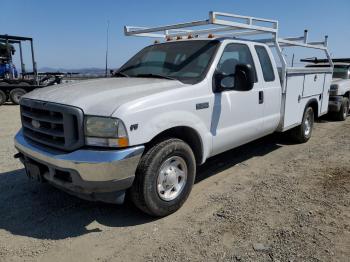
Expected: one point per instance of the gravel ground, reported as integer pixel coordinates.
(267, 201)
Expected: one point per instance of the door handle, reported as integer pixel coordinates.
(261, 97)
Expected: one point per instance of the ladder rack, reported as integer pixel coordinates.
(186, 29)
(230, 25)
(233, 26)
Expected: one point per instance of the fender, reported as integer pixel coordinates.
(159, 123)
(314, 101)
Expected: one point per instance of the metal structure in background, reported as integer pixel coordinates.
(315, 60)
(10, 39)
(14, 85)
(236, 26)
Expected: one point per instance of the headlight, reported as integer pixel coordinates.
(105, 131)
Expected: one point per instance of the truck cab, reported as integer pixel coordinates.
(167, 110)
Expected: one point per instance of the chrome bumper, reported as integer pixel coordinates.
(91, 170)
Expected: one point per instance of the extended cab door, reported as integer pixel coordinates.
(272, 90)
(237, 115)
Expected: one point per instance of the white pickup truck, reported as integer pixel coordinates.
(339, 98)
(168, 109)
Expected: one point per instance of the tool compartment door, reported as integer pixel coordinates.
(313, 84)
(293, 93)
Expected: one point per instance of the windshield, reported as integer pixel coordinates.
(186, 61)
(341, 72)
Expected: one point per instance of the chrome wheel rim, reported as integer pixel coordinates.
(172, 178)
(307, 125)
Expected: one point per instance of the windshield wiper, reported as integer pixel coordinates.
(120, 74)
(155, 76)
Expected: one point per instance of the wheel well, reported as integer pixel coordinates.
(347, 94)
(187, 134)
(314, 105)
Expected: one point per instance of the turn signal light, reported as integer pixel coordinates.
(123, 142)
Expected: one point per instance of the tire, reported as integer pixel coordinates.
(302, 133)
(24, 84)
(159, 169)
(3, 97)
(344, 110)
(16, 94)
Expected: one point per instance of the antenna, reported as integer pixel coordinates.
(107, 47)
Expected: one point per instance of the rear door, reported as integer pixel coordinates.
(272, 91)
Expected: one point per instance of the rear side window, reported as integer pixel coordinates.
(266, 64)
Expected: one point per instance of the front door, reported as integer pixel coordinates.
(237, 115)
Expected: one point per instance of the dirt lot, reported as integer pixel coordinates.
(267, 201)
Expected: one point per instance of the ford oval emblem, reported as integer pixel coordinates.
(35, 124)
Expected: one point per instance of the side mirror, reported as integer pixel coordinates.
(242, 80)
(223, 82)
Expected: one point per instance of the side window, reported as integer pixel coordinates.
(233, 55)
(265, 62)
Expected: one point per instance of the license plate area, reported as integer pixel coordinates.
(35, 170)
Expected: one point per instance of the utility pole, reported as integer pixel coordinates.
(107, 46)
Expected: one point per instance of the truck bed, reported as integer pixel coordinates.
(301, 86)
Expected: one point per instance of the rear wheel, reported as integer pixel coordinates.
(302, 133)
(16, 94)
(344, 110)
(3, 97)
(164, 178)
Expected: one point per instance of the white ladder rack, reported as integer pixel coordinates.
(231, 25)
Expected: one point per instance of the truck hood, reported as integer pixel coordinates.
(340, 81)
(103, 96)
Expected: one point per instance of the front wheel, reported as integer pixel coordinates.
(302, 133)
(164, 178)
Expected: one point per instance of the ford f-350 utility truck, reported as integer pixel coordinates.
(168, 109)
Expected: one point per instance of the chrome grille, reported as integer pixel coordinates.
(51, 124)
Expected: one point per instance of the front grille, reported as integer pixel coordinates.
(51, 124)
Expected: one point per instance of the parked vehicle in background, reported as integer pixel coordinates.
(14, 85)
(7, 69)
(339, 104)
(168, 109)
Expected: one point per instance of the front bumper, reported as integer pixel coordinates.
(335, 103)
(88, 173)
